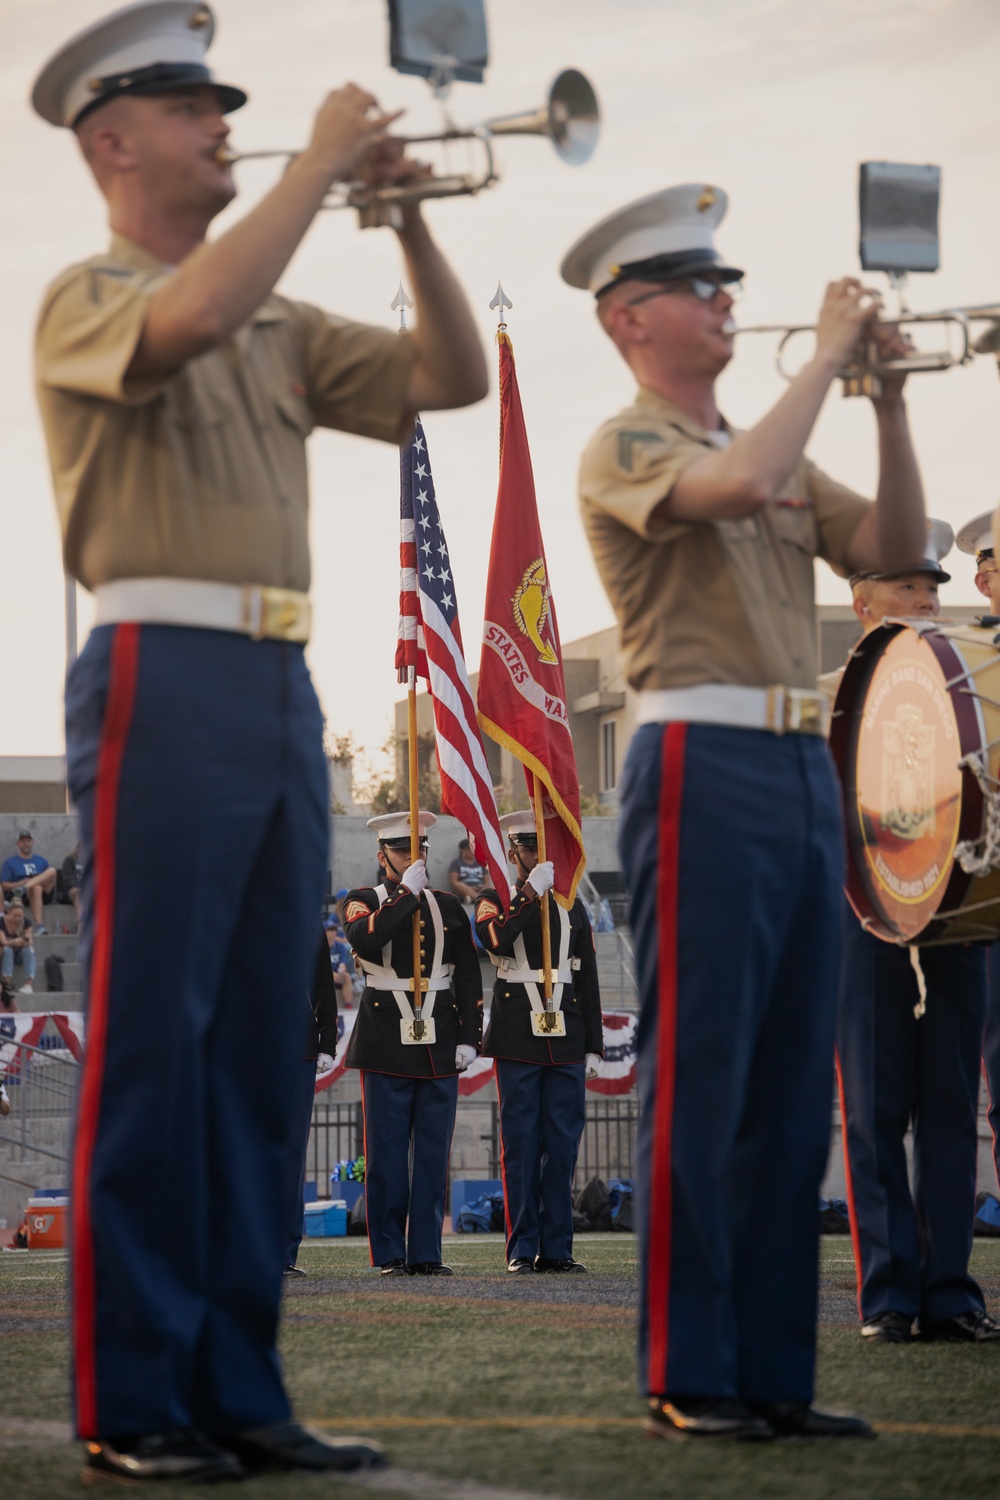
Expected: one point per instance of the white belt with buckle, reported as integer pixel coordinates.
(257, 610)
(394, 982)
(780, 710)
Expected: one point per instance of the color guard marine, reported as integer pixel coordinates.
(410, 1054)
(542, 1056)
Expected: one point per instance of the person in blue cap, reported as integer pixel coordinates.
(177, 390)
(730, 831)
(904, 1061)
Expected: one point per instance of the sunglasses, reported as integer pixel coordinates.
(690, 286)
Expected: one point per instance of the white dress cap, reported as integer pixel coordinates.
(149, 47)
(677, 221)
(518, 822)
(940, 538)
(396, 825)
(976, 536)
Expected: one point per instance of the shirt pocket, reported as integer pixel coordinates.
(294, 411)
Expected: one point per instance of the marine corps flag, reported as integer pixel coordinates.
(521, 696)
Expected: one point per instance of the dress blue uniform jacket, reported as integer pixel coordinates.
(499, 922)
(375, 1043)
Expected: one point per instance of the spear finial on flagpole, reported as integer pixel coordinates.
(402, 302)
(500, 301)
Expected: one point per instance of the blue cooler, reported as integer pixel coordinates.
(326, 1219)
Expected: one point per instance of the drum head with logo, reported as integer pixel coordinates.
(902, 723)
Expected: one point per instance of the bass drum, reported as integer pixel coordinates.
(916, 738)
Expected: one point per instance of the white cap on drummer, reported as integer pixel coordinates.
(150, 47)
(976, 536)
(659, 238)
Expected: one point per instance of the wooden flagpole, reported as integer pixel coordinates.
(414, 769)
(543, 904)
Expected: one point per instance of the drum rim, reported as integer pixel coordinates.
(843, 741)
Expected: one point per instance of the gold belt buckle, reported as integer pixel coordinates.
(275, 614)
(804, 711)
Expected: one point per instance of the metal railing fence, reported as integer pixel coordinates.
(41, 1085)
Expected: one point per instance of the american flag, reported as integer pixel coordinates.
(430, 644)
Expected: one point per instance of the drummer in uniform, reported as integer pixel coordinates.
(902, 1062)
(977, 539)
(177, 391)
(410, 1057)
(541, 1067)
(730, 833)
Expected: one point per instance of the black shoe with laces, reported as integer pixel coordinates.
(521, 1265)
(679, 1418)
(563, 1264)
(799, 1419)
(431, 1268)
(889, 1327)
(289, 1445)
(972, 1327)
(183, 1455)
(395, 1268)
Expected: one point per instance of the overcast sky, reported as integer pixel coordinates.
(775, 100)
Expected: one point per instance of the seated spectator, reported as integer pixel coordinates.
(336, 917)
(342, 963)
(68, 882)
(466, 874)
(15, 945)
(31, 874)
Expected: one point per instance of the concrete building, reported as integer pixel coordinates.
(32, 784)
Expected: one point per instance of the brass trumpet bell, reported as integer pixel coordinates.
(570, 118)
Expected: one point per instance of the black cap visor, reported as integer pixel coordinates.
(161, 78)
(672, 267)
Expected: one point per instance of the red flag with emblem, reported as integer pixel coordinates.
(521, 698)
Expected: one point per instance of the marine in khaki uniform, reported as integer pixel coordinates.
(409, 1074)
(901, 1063)
(177, 389)
(730, 835)
(540, 1075)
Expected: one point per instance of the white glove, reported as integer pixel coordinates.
(324, 1064)
(591, 1066)
(541, 877)
(465, 1056)
(415, 877)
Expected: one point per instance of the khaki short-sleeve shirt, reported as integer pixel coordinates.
(707, 601)
(203, 474)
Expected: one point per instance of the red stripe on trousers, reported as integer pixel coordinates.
(123, 674)
(503, 1164)
(661, 1185)
(852, 1212)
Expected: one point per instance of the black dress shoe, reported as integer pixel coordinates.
(681, 1417)
(289, 1445)
(395, 1268)
(972, 1327)
(293, 1271)
(186, 1455)
(890, 1327)
(431, 1268)
(521, 1265)
(799, 1419)
(567, 1263)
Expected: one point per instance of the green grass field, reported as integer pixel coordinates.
(483, 1386)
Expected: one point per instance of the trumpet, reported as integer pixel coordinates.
(862, 375)
(570, 118)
